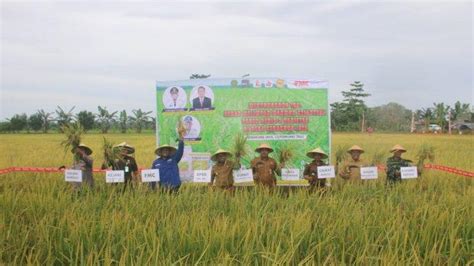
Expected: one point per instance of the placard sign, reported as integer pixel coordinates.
(150, 175)
(117, 176)
(409, 172)
(71, 175)
(243, 175)
(325, 172)
(368, 172)
(202, 176)
(290, 174)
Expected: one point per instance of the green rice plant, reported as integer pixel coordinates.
(240, 148)
(111, 153)
(73, 133)
(285, 154)
(378, 157)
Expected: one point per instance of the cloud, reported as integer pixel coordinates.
(105, 53)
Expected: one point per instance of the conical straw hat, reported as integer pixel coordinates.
(318, 150)
(264, 146)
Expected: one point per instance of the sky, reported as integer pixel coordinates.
(90, 53)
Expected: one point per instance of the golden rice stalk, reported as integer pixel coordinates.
(378, 158)
(111, 153)
(181, 128)
(341, 153)
(240, 145)
(285, 155)
(73, 134)
(425, 152)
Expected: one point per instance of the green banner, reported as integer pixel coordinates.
(290, 113)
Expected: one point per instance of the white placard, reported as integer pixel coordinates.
(243, 175)
(202, 176)
(290, 174)
(409, 172)
(73, 175)
(325, 172)
(368, 172)
(115, 176)
(150, 175)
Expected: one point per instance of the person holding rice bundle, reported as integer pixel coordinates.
(167, 163)
(126, 162)
(310, 172)
(264, 168)
(83, 161)
(394, 164)
(222, 172)
(350, 169)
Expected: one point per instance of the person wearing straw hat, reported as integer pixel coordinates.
(167, 163)
(310, 172)
(126, 162)
(394, 164)
(222, 171)
(264, 168)
(350, 169)
(83, 161)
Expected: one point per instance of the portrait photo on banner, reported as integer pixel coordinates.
(174, 99)
(193, 128)
(201, 98)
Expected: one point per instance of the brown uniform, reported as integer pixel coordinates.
(264, 171)
(222, 175)
(311, 174)
(350, 169)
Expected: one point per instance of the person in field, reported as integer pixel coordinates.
(83, 161)
(264, 168)
(350, 169)
(222, 171)
(394, 164)
(127, 163)
(167, 163)
(310, 172)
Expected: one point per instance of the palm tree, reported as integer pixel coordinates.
(139, 119)
(45, 119)
(123, 121)
(459, 110)
(64, 118)
(426, 114)
(440, 114)
(105, 118)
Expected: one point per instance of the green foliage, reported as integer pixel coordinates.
(45, 120)
(139, 119)
(390, 117)
(199, 76)
(123, 121)
(105, 118)
(111, 153)
(87, 120)
(64, 117)
(347, 115)
(18, 122)
(35, 122)
(73, 133)
(240, 148)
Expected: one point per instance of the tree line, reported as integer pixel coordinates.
(103, 120)
(352, 114)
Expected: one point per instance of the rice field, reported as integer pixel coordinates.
(425, 221)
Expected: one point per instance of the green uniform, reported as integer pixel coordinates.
(393, 168)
